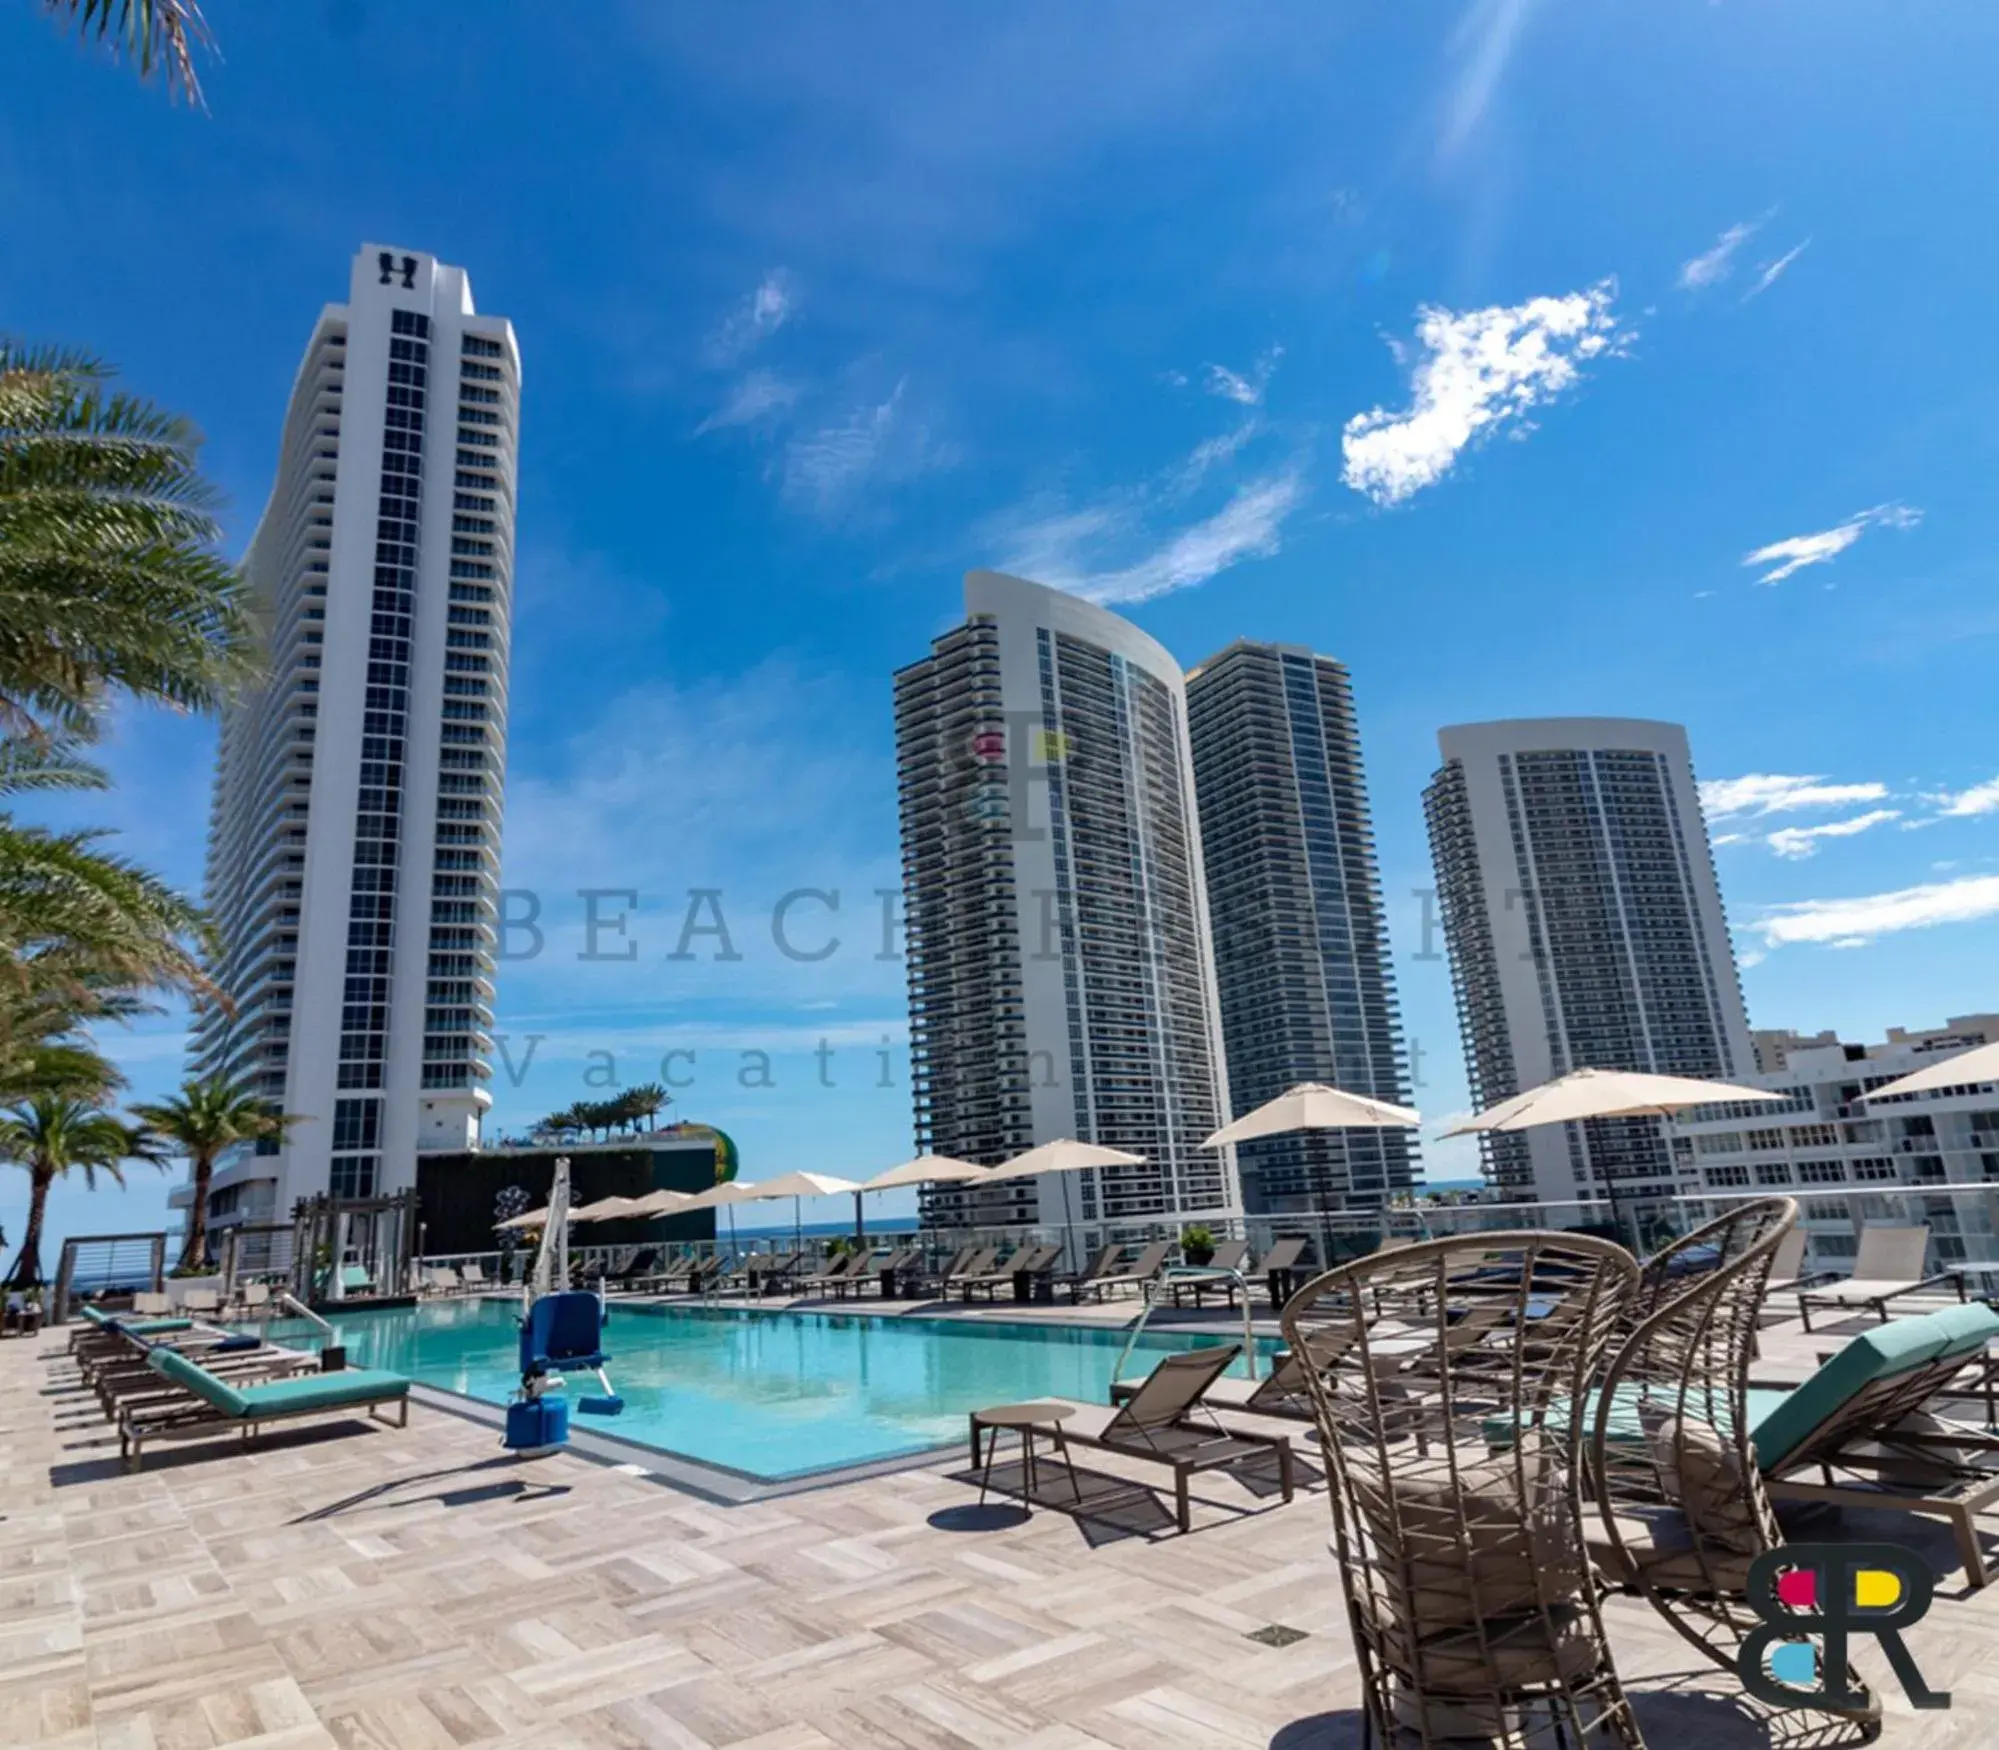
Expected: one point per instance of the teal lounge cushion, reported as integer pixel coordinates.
(148, 1327)
(1889, 1350)
(1967, 1328)
(307, 1391)
(96, 1315)
(323, 1391)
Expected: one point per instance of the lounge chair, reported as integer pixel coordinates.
(1104, 1264)
(105, 1335)
(253, 1300)
(1280, 1392)
(711, 1272)
(664, 1281)
(355, 1280)
(637, 1269)
(1136, 1274)
(1027, 1261)
(153, 1304)
(214, 1404)
(1229, 1255)
(1865, 1426)
(884, 1269)
(841, 1270)
(1166, 1422)
(969, 1261)
(781, 1273)
(201, 1303)
(473, 1277)
(1888, 1265)
(443, 1280)
(240, 1360)
(1279, 1268)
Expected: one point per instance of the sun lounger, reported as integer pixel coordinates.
(1279, 1269)
(638, 1268)
(355, 1280)
(473, 1277)
(1166, 1422)
(969, 1261)
(1026, 1261)
(842, 1269)
(1136, 1274)
(664, 1281)
(1862, 1431)
(213, 1404)
(1888, 1265)
(201, 1303)
(443, 1280)
(152, 1304)
(1229, 1255)
(1103, 1264)
(892, 1273)
(240, 1360)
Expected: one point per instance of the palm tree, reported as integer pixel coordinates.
(646, 1101)
(53, 1134)
(201, 1121)
(158, 34)
(109, 575)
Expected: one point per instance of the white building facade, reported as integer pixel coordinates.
(1584, 924)
(353, 862)
(1907, 1159)
(1061, 979)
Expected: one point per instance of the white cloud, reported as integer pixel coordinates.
(1774, 271)
(1803, 841)
(1979, 799)
(1780, 793)
(1087, 549)
(1479, 369)
(1851, 922)
(1244, 389)
(756, 398)
(1249, 526)
(877, 442)
(760, 315)
(1712, 266)
(1795, 552)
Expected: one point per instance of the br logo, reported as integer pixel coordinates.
(1835, 1591)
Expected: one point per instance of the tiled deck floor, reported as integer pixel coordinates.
(418, 1590)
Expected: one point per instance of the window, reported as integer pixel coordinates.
(478, 346)
(1814, 1135)
(1766, 1139)
(1821, 1173)
(1726, 1178)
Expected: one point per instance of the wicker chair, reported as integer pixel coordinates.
(1680, 1499)
(1456, 1471)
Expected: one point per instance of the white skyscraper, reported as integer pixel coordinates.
(1061, 980)
(354, 840)
(1585, 930)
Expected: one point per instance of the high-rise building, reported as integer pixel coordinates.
(1061, 982)
(354, 840)
(1913, 1156)
(1585, 929)
(1294, 894)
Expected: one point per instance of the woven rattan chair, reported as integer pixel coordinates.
(1679, 1496)
(1456, 1468)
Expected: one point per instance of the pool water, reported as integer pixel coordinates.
(773, 1395)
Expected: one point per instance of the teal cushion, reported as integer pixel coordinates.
(1967, 1328)
(149, 1327)
(1883, 1353)
(321, 1391)
(96, 1315)
(171, 1364)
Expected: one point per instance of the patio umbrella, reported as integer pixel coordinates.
(1605, 1093)
(606, 1209)
(1064, 1155)
(1980, 1064)
(924, 1170)
(533, 1218)
(792, 1185)
(661, 1203)
(1314, 1106)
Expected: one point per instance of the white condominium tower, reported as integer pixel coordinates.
(1585, 929)
(1301, 943)
(354, 842)
(1061, 982)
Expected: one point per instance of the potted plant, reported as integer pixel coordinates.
(1197, 1244)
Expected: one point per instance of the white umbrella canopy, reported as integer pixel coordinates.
(804, 1185)
(1314, 1106)
(1605, 1093)
(606, 1209)
(734, 1191)
(1979, 1064)
(661, 1203)
(1064, 1155)
(927, 1170)
(533, 1218)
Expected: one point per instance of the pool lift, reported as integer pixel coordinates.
(561, 1327)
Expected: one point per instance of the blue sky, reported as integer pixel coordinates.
(1480, 346)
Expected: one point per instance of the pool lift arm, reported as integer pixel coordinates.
(561, 1328)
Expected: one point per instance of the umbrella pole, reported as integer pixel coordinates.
(860, 1222)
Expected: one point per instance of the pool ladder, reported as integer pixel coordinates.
(1154, 1292)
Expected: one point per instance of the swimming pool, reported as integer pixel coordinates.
(770, 1395)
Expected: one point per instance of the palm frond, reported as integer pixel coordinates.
(160, 35)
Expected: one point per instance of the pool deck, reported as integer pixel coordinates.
(419, 1590)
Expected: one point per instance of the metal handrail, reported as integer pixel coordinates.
(291, 1303)
(1189, 1273)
